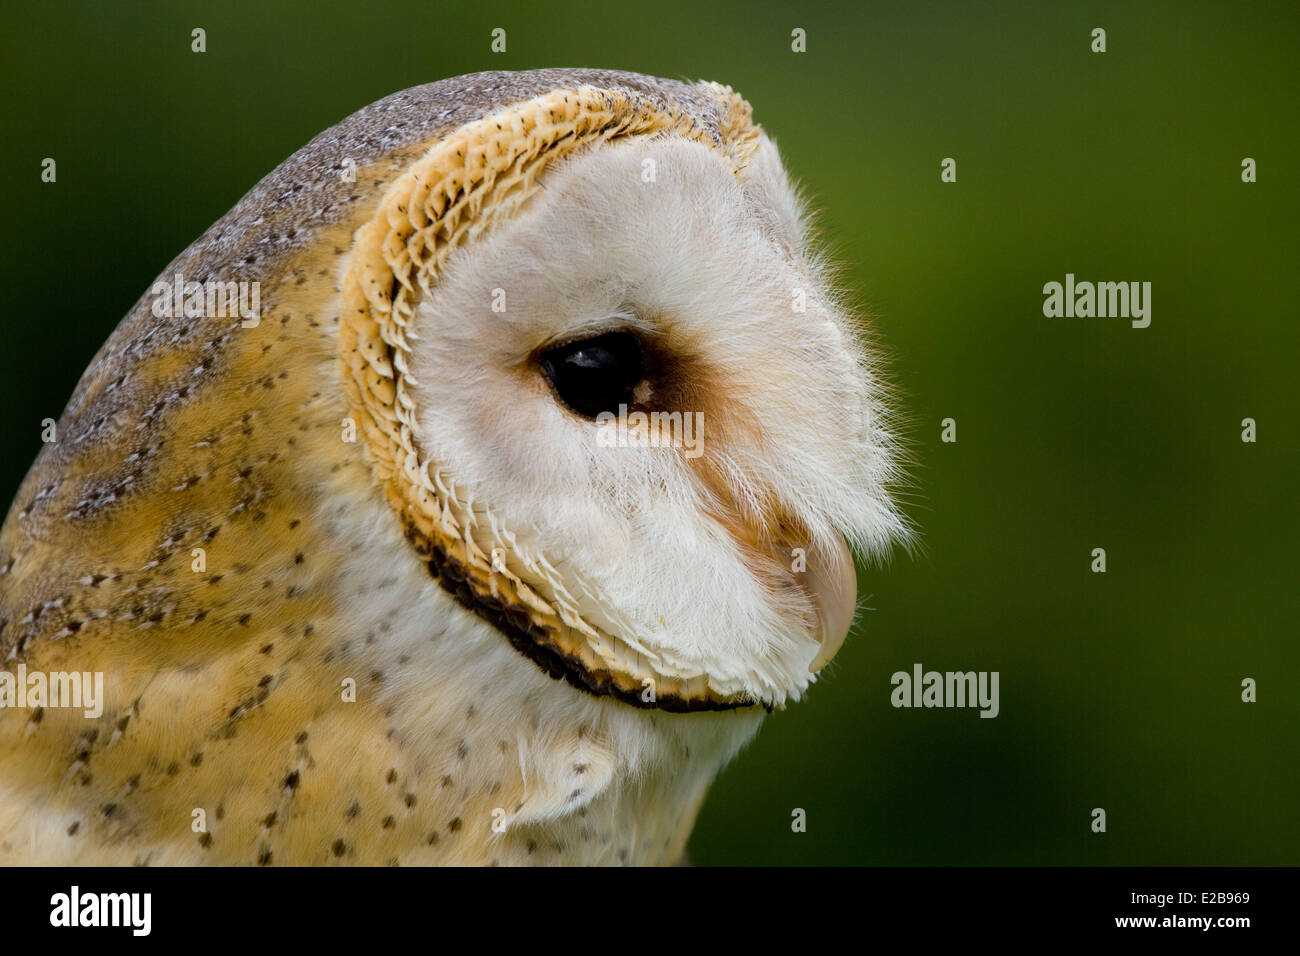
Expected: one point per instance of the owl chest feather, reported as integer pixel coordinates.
(386, 726)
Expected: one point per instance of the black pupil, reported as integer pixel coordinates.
(595, 375)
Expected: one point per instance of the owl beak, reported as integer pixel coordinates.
(832, 581)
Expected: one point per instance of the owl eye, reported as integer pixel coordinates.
(595, 375)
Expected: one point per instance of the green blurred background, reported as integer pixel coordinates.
(1120, 690)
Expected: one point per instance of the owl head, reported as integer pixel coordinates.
(615, 399)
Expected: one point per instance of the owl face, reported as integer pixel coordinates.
(708, 553)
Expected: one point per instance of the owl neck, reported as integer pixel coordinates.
(475, 754)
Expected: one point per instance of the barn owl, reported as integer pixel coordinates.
(369, 549)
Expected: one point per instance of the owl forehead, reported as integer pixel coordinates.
(653, 235)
